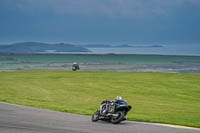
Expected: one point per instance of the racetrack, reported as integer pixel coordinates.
(20, 119)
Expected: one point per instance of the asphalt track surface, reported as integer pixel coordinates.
(20, 119)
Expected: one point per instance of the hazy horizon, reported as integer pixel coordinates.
(111, 43)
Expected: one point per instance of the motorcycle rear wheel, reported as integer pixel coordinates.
(118, 119)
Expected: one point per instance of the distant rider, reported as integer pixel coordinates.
(75, 66)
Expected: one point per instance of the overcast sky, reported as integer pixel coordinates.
(136, 21)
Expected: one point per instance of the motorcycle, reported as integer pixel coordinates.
(117, 112)
(75, 67)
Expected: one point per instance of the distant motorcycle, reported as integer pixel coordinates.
(117, 112)
(75, 67)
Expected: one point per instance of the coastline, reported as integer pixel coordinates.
(91, 53)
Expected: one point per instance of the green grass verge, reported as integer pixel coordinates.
(172, 98)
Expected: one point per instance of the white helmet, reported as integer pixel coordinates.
(118, 98)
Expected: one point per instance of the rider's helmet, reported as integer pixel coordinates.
(74, 63)
(118, 98)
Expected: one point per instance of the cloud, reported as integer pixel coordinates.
(108, 8)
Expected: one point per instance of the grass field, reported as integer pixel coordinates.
(156, 97)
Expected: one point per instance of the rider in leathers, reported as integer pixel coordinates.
(106, 105)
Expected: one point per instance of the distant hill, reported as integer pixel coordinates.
(37, 47)
(120, 46)
(97, 46)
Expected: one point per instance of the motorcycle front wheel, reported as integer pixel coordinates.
(95, 116)
(119, 118)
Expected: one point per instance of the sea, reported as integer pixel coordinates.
(181, 49)
(171, 49)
